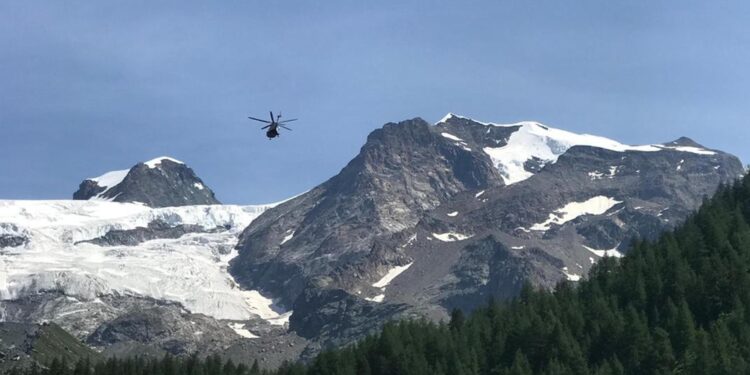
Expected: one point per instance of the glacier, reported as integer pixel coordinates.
(190, 270)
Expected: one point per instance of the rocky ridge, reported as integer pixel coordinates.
(161, 182)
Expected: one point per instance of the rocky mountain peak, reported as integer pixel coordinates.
(520, 150)
(160, 182)
(684, 141)
(403, 170)
(430, 217)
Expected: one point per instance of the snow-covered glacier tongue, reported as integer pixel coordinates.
(190, 270)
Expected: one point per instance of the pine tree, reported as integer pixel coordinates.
(521, 365)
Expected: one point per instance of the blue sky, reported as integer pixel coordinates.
(88, 87)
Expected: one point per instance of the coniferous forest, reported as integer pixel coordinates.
(676, 305)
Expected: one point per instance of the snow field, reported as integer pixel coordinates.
(191, 270)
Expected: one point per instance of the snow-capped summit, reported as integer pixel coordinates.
(153, 163)
(535, 144)
(159, 182)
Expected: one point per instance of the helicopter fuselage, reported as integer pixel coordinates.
(272, 132)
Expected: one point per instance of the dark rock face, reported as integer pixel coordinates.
(9, 240)
(87, 189)
(156, 229)
(332, 316)
(403, 170)
(475, 135)
(124, 326)
(487, 268)
(12, 236)
(429, 199)
(159, 183)
(164, 329)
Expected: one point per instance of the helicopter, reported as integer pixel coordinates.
(273, 125)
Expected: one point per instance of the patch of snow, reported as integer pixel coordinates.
(479, 194)
(379, 298)
(453, 214)
(264, 307)
(390, 275)
(571, 276)
(601, 253)
(517, 247)
(596, 175)
(459, 142)
(445, 118)
(690, 149)
(64, 314)
(450, 236)
(199, 186)
(239, 328)
(451, 137)
(110, 180)
(410, 240)
(594, 206)
(287, 238)
(154, 162)
(190, 270)
(592, 260)
(281, 319)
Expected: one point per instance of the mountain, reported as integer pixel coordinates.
(403, 171)
(161, 182)
(128, 278)
(677, 304)
(426, 218)
(433, 217)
